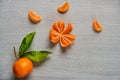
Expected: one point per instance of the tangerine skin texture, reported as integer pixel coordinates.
(22, 67)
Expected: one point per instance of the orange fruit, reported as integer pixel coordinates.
(22, 67)
(60, 33)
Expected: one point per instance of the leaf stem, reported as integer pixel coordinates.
(16, 56)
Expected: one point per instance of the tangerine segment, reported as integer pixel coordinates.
(96, 26)
(66, 40)
(64, 7)
(34, 17)
(22, 67)
(54, 36)
(68, 29)
(70, 37)
(59, 26)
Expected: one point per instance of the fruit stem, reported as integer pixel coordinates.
(16, 56)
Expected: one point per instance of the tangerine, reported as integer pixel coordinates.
(22, 67)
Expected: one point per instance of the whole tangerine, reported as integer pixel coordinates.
(22, 67)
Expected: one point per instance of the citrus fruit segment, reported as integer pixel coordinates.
(34, 17)
(96, 26)
(64, 7)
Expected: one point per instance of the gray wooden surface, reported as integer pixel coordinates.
(93, 56)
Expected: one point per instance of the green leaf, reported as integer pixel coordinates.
(26, 43)
(37, 56)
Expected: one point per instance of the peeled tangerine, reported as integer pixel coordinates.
(59, 33)
(64, 7)
(96, 26)
(34, 17)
